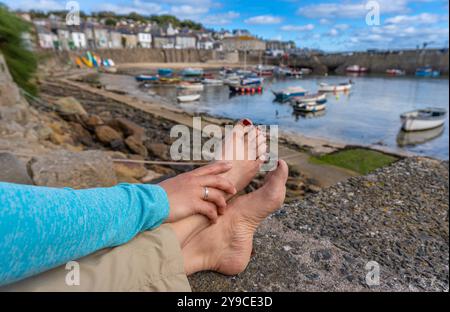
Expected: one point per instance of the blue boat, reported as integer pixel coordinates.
(146, 78)
(165, 72)
(288, 93)
(427, 71)
(192, 72)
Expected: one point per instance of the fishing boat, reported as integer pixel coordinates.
(342, 87)
(191, 86)
(213, 82)
(310, 98)
(232, 80)
(309, 107)
(356, 69)
(146, 78)
(251, 80)
(192, 72)
(165, 72)
(168, 80)
(423, 119)
(282, 71)
(188, 98)
(288, 93)
(427, 71)
(395, 72)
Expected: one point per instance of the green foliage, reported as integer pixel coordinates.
(21, 63)
(359, 160)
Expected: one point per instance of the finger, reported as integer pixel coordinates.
(216, 197)
(262, 149)
(208, 209)
(215, 168)
(218, 182)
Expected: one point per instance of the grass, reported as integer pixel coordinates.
(359, 160)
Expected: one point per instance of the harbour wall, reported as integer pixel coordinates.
(407, 60)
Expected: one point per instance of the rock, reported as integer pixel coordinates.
(127, 127)
(44, 133)
(130, 170)
(92, 121)
(81, 135)
(69, 106)
(106, 134)
(77, 170)
(13, 170)
(158, 150)
(60, 139)
(135, 144)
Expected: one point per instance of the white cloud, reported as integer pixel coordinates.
(186, 10)
(307, 27)
(324, 21)
(333, 32)
(424, 18)
(341, 27)
(353, 9)
(41, 5)
(220, 19)
(138, 6)
(263, 20)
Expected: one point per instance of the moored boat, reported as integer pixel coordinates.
(427, 71)
(213, 82)
(165, 72)
(191, 86)
(251, 80)
(395, 72)
(309, 107)
(325, 87)
(167, 80)
(423, 119)
(146, 78)
(188, 98)
(192, 72)
(288, 93)
(310, 98)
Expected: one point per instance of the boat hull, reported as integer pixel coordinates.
(411, 124)
(308, 107)
(188, 98)
(337, 88)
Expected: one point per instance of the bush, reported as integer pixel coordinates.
(21, 62)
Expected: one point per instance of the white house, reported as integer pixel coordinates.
(47, 40)
(185, 42)
(205, 44)
(170, 30)
(144, 39)
(79, 40)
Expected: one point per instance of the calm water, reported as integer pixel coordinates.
(369, 114)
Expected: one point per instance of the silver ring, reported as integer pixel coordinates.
(205, 193)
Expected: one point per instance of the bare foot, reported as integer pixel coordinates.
(226, 246)
(246, 147)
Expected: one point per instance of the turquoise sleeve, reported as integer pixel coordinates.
(42, 227)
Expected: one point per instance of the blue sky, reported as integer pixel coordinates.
(332, 25)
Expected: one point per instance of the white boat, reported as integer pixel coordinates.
(309, 107)
(188, 98)
(356, 69)
(325, 87)
(423, 119)
(289, 93)
(213, 82)
(191, 86)
(248, 81)
(310, 98)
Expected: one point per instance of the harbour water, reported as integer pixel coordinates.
(368, 114)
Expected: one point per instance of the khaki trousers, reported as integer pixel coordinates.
(152, 261)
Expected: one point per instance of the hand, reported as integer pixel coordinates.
(186, 192)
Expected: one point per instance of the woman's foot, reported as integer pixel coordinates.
(246, 148)
(226, 246)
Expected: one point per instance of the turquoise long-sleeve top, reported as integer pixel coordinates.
(42, 228)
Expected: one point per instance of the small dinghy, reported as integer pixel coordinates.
(342, 87)
(146, 78)
(309, 107)
(213, 82)
(289, 93)
(423, 119)
(191, 86)
(188, 98)
(310, 98)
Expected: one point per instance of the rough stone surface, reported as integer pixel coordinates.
(396, 216)
(13, 170)
(135, 144)
(69, 106)
(107, 135)
(158, 150)
(77, 170)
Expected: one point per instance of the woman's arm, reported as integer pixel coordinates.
(42, 227)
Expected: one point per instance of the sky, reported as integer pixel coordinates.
(330, 25)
